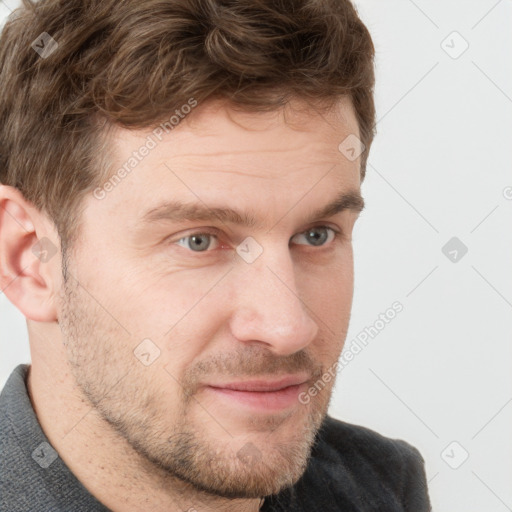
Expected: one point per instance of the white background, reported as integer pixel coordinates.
(440, 372)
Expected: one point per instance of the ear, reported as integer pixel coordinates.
(29, 257)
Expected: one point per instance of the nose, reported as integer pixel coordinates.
(268, 309)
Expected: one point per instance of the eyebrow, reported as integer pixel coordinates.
(178, 211)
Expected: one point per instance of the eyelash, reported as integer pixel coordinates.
(214, 233)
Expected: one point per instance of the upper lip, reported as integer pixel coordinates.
(263, 384)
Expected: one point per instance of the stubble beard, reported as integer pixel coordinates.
(185, 451)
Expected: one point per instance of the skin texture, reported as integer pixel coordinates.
(155, 436)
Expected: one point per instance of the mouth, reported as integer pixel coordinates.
(265, 395)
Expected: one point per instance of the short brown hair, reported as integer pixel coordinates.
(130, 63)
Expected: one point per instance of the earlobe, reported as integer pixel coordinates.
(28, 257)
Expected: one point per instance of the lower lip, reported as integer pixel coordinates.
(263, 400)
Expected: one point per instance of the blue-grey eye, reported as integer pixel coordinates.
(198, 242)
(317, 236)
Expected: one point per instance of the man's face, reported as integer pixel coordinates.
(214, 317)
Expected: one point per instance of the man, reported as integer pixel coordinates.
(180, 181)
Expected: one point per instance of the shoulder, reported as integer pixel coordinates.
(354, 469)
(382, 473)
(365, 446)
(32, 475)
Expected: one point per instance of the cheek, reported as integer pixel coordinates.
(328, 292)
(158, 305)
(187, 322)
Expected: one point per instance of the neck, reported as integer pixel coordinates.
(103, 461)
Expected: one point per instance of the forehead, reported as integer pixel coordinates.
(217, 150)
(220, 129)
(297, 115)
